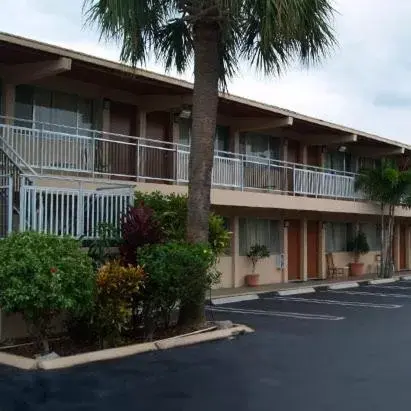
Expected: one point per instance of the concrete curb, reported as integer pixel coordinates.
(94, 356)
(296, 291)
(200, 338)
(234, 299)
(17, 361)
(383, 281)
(405, 277)
(196, 337)
(343, 286)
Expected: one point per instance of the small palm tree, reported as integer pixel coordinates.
(389, 186)
(214, 35)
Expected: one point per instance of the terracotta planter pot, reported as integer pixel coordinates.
(251, 280)
(357, 269)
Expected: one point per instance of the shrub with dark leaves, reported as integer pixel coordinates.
(138, 228)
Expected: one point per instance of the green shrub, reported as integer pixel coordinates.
(42, 276)
(256, 253)
(358, 245)
(170, 210)
(175, 272)
(99, 248)
(218, 236)
(117, 287)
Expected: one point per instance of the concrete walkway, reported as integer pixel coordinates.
(231, 292)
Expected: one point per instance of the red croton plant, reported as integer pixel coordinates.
(138, 228)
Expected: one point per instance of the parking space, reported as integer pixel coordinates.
(328, 350)
(325, 304)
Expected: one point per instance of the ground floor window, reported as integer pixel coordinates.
(373, 234)
(337, 236)
(259, 231)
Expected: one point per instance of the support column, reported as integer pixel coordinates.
(285, 171)
(303, 154)
(304, 274)
(407, 247)
(396, 246)
(106, 116)
(322, 155)
(142, 132)
(321, 251)
(8, 101)
(235, 252)
(285, 251)
(234, 141)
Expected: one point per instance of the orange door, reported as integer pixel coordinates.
(312, 249)
(313, 157)
(121, 154)
(294, 250)
(157, 156)
(403, 231)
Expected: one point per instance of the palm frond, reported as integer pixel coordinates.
(173, 44)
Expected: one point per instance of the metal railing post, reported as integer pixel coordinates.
(176, 164)
(93, 153)
(138, 161)
(10, 205)
(22, 204)
(41, 148)
(80, 211)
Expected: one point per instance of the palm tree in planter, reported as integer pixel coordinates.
(257, 252)
(388, 185)
(213, 37)
(358, 246)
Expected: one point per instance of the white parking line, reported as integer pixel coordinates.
(334, 302)
(234, 299)
(295, 291)
(298, 316)
(394, 287)
(343, 286)
(383, 281)
(370, 293)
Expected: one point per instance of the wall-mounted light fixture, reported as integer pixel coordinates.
(185, 113)
(342, 149)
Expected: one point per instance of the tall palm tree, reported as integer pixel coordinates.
(389, 186)
(214, 35)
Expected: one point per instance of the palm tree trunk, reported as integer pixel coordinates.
(205, 102)
(389, 242)
(381, 268)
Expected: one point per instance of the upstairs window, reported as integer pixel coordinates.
(221, 137)
(260, 145)
(54, 110)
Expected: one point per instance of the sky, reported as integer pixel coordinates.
(364, 84)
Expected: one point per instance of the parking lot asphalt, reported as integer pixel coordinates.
(329, 350)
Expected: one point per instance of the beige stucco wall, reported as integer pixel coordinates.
(369, 260)
(265, 268)
(13, 326)
(225, 267)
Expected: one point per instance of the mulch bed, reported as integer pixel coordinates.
(65, 346)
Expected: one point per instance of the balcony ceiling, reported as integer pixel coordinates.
(17, 50)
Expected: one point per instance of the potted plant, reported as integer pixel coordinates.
(358, 246)
(257, 252)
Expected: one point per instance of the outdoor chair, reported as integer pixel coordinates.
(332, 270)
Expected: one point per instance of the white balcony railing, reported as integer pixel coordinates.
(97, 154)
(71, 212)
